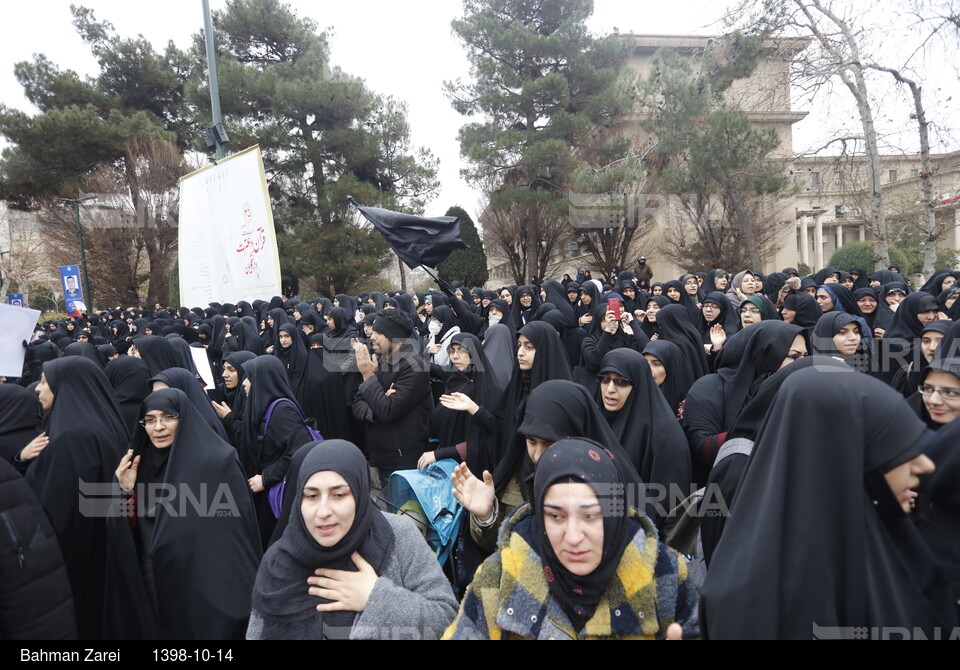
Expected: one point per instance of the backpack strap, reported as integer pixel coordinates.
(266, 418)
(738, 445)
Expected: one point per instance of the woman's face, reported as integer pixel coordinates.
(788, 314)
(45, 393)
(811, 290)
(797, 350)
(928, 317)
(867, 304)
(330, 323)
(614, 389)
(230, 376)
(710, 311)
(161, 427)
(656, 369)
(285, 339)
(459, 356)
(536, 447)
(721, 282)
(847, 339)
(657, 290)
(652, 309)
(506, 296)
(947, 282)
(270, 321)
(691, 286)
(936, 391)
(929, 341)
(526, 299)
(748, 285)
(749, 315)
(825, 301)
(906, 477)
(133, 351)
(585, 298)
(572, 296)
(328, 507)
(368, 329)
(848, 282)
(673, 294)
(485, 302)
(895, 297)
(526, 352)
(573, 519)
(246, 386)
(832, 279)
(495, 311)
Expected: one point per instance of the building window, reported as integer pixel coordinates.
(914, 173)
(837, 178)
(814, 178)
(893, 176)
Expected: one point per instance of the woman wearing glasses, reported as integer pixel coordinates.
(186, 555)
(641, 419)
(939, 392)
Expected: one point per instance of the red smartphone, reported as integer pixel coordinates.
(613, 305)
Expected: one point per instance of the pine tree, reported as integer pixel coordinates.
(467, 266)
(542, 85)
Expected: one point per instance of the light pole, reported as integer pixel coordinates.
(88, 297)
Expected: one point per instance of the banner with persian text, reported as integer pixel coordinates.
(228, 246)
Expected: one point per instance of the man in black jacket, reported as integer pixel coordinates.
(394, 398)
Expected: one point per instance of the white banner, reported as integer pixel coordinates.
(16, 326)
(228, 246)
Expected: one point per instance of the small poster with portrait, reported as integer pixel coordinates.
(16, 300)
(70, 282)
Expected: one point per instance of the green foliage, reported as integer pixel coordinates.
(541, 88)
(467, 266)
(84, 123)
(860, 255)
(707, 149)
(324, 135)
(803, 269)
(910, 241)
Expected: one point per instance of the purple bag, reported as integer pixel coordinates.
(275, 494)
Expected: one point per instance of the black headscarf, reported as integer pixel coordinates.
(814, 541)
(322, 393)
(130, 378)
(158, 353)
(646, 426)
(676, 327)
(550, 362)
(87, 439)
(507, 318)
(727, 319)
(294, 357)
(183, 380)
(586, 461)
(807, 310)
(235, 397)
(268, 382)
(204, 565)
(19, 414)
(279, 594)
(679, 377)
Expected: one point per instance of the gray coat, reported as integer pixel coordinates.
(412, 599)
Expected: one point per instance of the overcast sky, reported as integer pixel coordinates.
(404, 49)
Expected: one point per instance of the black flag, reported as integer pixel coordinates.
(415, 239)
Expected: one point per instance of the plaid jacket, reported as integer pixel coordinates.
(510, 598)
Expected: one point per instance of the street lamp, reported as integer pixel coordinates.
(88, 297)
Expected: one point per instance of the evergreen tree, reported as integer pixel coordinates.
(467, 266)
(709, 154)
(324, 135)
(542, 85)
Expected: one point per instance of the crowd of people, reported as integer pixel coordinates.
(724, 455)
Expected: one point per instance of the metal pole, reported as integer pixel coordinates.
(212, 72)
(83, 261)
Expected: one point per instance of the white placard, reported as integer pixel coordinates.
(228, 245)
(203, 366)
(16, 325)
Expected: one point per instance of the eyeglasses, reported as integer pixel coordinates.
(749, 310)
(604, 380)
(164, 420)
(793, 356)
(946, 394)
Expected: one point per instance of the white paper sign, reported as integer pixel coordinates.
(228, 245)
(16, 325)
(203, 366)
